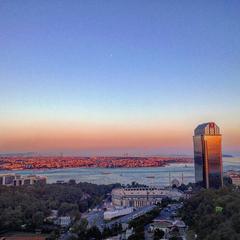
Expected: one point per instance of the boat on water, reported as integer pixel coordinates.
(105, 173)
(150, 176)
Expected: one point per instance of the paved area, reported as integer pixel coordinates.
(95, 218)
(133, 215)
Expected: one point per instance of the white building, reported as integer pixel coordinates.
(19, 180)
(236, 180)
(7, 179)
(235, 177)
(110, 214)
(143, 196)
(63, 221)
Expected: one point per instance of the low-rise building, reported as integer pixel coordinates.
(143, 196)
(7, 179)
(110, 214)
(19, 180)
(63, 221)
(235, 179)
(234, 176)
(161, 224)
(169, 223)
(169, 226)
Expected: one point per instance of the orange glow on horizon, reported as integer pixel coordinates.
(89, 137)
(85, 136)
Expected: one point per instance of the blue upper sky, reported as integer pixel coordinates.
(121, 62)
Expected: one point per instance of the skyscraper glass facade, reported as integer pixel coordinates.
(208, 155)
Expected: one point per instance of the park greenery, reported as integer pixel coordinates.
(26, 207)
(214, 214)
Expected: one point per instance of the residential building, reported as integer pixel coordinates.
(63, 221)
(7, 179)
(235, 177)
(19, 180)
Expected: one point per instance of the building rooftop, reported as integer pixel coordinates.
(209, 128)
(145, 191)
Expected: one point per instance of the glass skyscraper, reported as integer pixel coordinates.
(208, 155)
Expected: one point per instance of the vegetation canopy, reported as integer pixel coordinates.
(214, 214)
(28, 206)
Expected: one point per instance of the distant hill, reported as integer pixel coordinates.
(23, 154)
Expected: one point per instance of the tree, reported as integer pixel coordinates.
(80, 228)
(158, 234)
(214, 214)
(236, 222)
(106, 232)
(94, 233)
(66, 208)
(29, 205)
(38, 218)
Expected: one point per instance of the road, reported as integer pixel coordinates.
(95, 218)
(131, 216)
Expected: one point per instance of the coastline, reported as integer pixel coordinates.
(44, 163)
(85, 167)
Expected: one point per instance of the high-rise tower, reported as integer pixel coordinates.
(208, 155)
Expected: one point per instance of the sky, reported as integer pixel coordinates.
(115, 77)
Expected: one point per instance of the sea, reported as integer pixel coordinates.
(151, 176)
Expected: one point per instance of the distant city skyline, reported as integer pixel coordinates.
(109, 78)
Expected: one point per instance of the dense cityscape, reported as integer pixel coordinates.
(19, 163)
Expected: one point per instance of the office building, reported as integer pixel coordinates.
(208, 155)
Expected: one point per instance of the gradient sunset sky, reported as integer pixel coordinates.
(114, 77)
